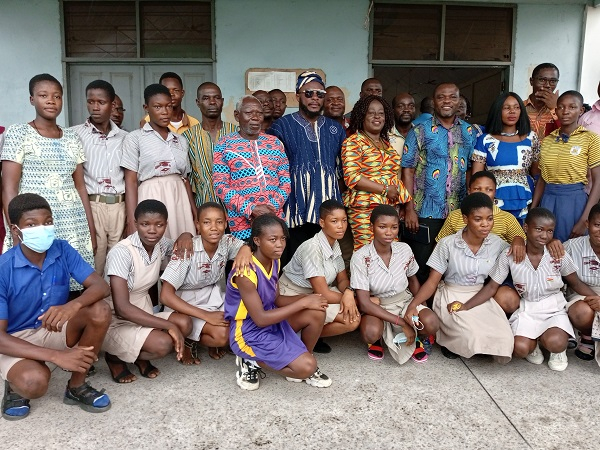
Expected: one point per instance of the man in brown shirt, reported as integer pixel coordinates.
(541, 103)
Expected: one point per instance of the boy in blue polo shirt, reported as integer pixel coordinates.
(37, 325)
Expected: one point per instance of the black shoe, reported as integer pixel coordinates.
(14, 407)
(321, 347)
(448, 354)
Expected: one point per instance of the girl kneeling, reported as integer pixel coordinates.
(386, 270)
(465, 260)
(259, 332)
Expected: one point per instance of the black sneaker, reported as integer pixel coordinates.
(14, 407)
(321, 347)
(87, 398)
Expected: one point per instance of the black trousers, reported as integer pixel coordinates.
(422, 251)
(298, 235)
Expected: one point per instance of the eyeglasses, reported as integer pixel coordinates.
(310, 92)
(544, 80)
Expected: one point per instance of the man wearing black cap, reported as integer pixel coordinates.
(313, 144)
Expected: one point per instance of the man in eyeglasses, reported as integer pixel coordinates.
(118, 112)
(313, 145)
(540, 105)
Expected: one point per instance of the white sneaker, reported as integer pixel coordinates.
(248, 374)
(558, 361)
(536, 356)
(319, 379)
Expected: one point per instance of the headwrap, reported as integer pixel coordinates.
(306, 77)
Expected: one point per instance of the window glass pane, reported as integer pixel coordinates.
(100, 29)
(476, 33)
(176, 29)
(407, 32)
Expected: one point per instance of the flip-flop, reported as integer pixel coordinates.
(375, 351)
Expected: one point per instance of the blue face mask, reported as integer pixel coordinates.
(38, 239)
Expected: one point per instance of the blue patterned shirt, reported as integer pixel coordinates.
(315, 164)
(440, 158)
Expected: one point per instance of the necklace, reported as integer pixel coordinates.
(376, 143)
(38, 131)
(509, 134)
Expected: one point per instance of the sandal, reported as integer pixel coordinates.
(124, 373)
(419, 355)
(428, 344)
(14, 407)
(217, 352)
(375, 351)
(148, 370)
(448, 354)
(585, 349)
(194, 349)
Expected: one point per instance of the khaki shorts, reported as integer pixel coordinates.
(56, 340)
(125, 339)
(290, 289)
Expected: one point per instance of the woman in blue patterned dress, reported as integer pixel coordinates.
(510, 150)
(42, 158)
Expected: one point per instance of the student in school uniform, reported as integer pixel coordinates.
(506, 227)
(104, 180)
(137, 334)
(157, 160)
(385, 271)
(539, 279)
(261, 334)
(318, 267)
(584, 313)
(191, 286)
(566, 155)
(464, 261)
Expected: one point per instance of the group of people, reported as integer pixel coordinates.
(412, 230)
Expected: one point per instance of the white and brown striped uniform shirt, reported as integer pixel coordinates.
(148, 154)
(453, 258)
(315, 258)
(200, 270)
(532, 284)
(369, 272)
(119, 261)
(586, 260)
(102, 170)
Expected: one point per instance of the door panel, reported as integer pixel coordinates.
(129, 81)
(192, 76)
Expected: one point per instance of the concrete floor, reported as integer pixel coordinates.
(450, 404)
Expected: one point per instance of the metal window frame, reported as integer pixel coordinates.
(139, 59)
(441, 62)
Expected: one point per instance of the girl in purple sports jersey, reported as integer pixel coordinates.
(261, 334)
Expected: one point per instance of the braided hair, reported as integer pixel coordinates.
(359, 113)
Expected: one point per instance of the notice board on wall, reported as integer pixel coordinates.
(285, 79)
